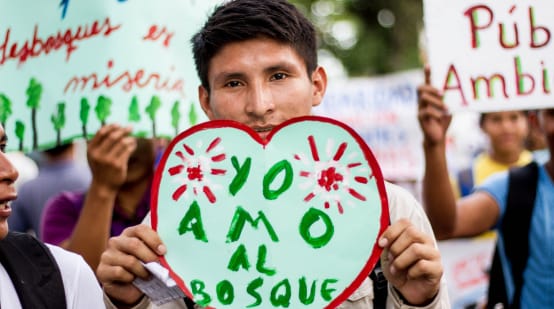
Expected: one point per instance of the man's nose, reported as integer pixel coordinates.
(260, 100)
(8, 173)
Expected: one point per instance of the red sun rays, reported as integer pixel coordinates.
(194, 172)
(329, 178)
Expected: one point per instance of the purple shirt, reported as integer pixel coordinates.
(62, 213)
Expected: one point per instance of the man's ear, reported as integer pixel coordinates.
(319, 85)
(204, 98)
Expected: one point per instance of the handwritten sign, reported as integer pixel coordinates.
(288, 222)
(66, 68)
(492, 55)
(383, 110)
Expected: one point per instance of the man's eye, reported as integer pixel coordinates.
(3, 147)
(233, 84)
(279, 76)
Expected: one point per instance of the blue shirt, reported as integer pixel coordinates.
(538, 288)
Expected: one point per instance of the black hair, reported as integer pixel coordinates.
(241, 20)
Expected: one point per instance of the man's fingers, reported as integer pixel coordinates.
(413, 254)
(149, 238)
(107, 136)
(425, 268)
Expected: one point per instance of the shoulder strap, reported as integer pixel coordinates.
(516, 223)
(380, 286)
(33, 271)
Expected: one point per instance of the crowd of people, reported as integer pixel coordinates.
(257, 63)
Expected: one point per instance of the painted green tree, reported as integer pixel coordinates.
(58, 120)
(134, 110)
(103, 109)
(152, 110)
(5, 109)
(83, 115)
(193, 116)
(175, 116)
(34, 91)
(20, 133)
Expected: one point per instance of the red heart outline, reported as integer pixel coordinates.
(214, 124)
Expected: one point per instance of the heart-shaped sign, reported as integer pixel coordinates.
(291, 221)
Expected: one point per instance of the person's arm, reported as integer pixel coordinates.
(108, 153)
(438, 197)
(449, 218)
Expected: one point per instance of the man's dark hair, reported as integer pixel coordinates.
(241, 20)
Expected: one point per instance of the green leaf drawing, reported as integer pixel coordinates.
(151, 110)
(103, 108)
(58, 120)
(20, 133)
(175, 116)
(5, 109)
(193, 116)
(83, 115)
(34, 91)
(134, 111)
(85, 111)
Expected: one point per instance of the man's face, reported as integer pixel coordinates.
(261, 83)
(8, 175)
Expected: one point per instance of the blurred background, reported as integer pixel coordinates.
(368, 37)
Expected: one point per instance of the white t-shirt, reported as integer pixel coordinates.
(82, 290)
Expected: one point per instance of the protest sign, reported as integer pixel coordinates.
(291, 221)
(68, 67)
(383, 111)
(491, 55)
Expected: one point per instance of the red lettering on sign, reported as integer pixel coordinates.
(39, 45)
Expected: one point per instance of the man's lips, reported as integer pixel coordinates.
(5, 209)
(263, 132)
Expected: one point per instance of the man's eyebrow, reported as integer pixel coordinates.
(285, 66)
(229, 75)
(3, 138)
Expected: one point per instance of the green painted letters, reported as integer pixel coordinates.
(192, 221)
(270, 177)
(311, 217)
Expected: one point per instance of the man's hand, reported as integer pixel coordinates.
(121, 263)
(433, 115)
(411, 262)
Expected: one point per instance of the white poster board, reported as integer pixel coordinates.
(491, 55)
(67, 67)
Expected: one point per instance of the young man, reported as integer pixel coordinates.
(257, 63)
(486, 206)
(33, 275)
